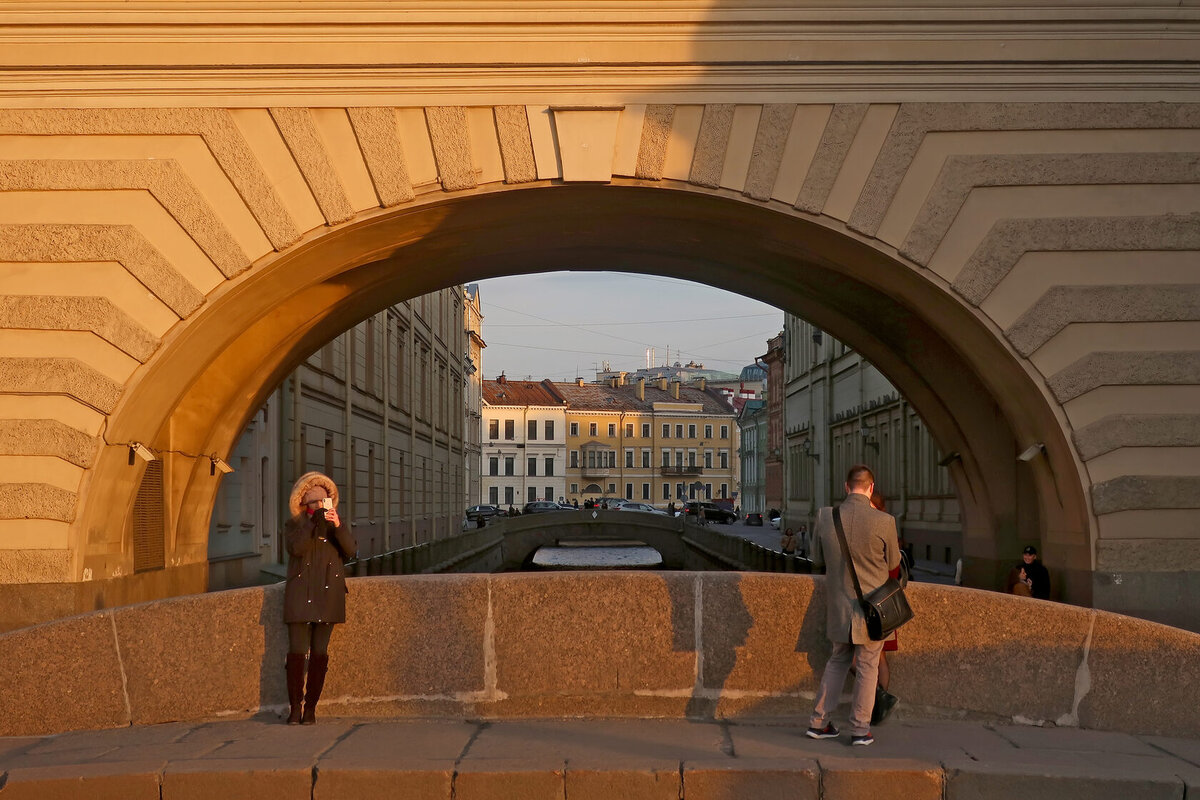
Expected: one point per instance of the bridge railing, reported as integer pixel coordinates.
(743, 554)
(439, 555)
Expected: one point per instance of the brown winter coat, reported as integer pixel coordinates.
(316, 581)
(871, 537)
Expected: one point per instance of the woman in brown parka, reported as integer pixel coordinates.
(314, 599)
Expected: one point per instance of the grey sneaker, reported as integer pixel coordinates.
(862, 741)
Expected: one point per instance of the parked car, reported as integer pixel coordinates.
(566, 507)
(754, 518)
(645, 508)
(487, 512)
(712, 511)
(612, 503)
(775, 522)
(541, 506)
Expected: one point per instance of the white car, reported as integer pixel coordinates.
(645, 508)
(775, 522)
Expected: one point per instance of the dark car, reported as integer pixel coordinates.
(754, 518)
(712, 511)
(483, 511)
(541, 506)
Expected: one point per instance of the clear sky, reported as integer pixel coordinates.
(563, 325)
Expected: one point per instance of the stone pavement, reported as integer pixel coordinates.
(584, 759)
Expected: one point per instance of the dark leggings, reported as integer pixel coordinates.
(303, 635)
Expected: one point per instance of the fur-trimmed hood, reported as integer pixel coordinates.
(308, 481)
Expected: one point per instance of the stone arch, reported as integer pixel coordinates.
(979, 253)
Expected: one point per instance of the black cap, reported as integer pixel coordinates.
(1030, 551)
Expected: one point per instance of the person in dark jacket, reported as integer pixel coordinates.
(314, 599)
(1037, 577)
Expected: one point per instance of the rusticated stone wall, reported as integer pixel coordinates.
(678, 644)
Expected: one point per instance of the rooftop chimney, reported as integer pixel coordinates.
(502, 379)
(675, 389)
(642, 389)
(703, 383)
(662, 384)
(579, 381)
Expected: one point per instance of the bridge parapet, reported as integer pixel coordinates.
(637, 644)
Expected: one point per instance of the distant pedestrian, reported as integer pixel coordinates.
(787, 543)
(314, 597)
(872, 543)
(1037, 575)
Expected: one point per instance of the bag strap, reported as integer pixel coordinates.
(841, 533)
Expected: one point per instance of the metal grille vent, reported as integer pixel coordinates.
(148, 521)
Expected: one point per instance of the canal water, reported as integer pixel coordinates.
(598, 555)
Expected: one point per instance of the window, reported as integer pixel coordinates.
(724, 459)
(645, 430)
(666, 491)
(612, 488)
(629, 491)
(494, 495)
(508, 495)
(612, 429)
(645, 491)
(666, 434)
(666, 458)
(628, 458)
(679, 458)
(591, 429)
(549, 467)
(509, 466)
(679, 431)
(724, 490)
(724, 431)
(708, 431)
(708, 491)
(645, 459)
(532, 426)
(510, 429)
(532, 466)
(691, 431)
(629, 430)
(532, 493)
(549, 429)
(680, 493)
(493, 430)
(494, 466)
(708, 459)
(549, 492)
(691, 458)
(574, 459)
(574, 488)
(574, 428)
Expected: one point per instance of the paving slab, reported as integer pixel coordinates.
(583, 742)
(760, 779)
(1038, 738)
(122, 781)
(257, 778)
(15, 745)
(114, 737)
(930, 740)
(401, 742)
(260, 739)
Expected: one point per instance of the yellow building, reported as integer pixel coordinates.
(655, 442)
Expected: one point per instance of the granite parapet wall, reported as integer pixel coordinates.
(617, 644)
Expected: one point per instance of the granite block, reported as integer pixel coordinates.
(968, 780)
(651, 783)
(640, 633)
(411, 636)
(402, 742)
(260, 778)
(798, 779)
(172, 651)
(126, 781)
(1143, 678)
(880, 778)
(762, 633)
(988, 652)
(1036, 738)
(590, 743)
(504, 779)
(431, 781)
(61, 676)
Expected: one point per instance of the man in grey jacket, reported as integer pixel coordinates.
(874, 546)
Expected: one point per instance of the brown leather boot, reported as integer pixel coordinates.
(317, 666)
(295, 686)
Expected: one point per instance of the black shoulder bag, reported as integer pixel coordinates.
(886, 608)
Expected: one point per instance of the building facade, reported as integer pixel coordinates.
(473, 369)
(524, 442)
(839, 410)
(381, 409)
(752, 427)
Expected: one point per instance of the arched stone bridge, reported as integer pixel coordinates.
(999, 207)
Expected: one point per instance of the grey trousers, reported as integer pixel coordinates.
(829, 693)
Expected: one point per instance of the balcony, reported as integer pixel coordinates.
(596, 472)
(679, 469)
